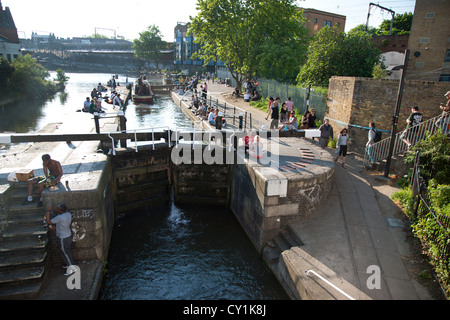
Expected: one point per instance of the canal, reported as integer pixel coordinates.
(169, 252)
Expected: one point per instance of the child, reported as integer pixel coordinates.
(341, 147)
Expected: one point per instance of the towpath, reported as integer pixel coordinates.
(359, 226)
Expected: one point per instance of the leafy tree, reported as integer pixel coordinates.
(6, 71)
(61, 79)
(265, 38)
(335, 53)
(29, 78)
(149, 44)
(402, 24)
(362, 27)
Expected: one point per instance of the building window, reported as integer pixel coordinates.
(447, 56)
(338, 24)
(329, 23)
(444, 78)
(424, 40)
(315, 20)
(420, 64)
(324, 23)
(429, 15)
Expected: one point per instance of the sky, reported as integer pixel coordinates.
(128, 18)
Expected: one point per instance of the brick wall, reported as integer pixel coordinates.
(358, 101)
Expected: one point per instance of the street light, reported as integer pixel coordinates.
(397, 111)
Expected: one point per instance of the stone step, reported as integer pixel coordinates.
(31, 243)
(23, 291)
(11, 277)
(24, 220)
(22, 259)
(19, 206)
(24, 232)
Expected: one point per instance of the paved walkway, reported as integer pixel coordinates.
(357, 227)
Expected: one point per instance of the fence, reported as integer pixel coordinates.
(271, 88)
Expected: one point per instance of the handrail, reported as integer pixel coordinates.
(329, 283)
(379, 150)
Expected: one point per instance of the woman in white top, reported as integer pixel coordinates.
(341, 146)
(256, 148)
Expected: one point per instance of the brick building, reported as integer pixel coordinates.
(317, 19)
(429, 41)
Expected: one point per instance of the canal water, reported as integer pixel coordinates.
(169, 252)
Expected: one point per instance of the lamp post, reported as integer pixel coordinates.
(397, 111)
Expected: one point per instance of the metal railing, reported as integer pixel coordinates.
(329, 283)
(229, 110)
(402, 142)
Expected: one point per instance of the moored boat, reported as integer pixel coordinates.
(142, 91)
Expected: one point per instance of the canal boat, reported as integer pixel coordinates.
(142, 91)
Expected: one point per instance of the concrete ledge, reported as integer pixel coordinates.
(292, 271)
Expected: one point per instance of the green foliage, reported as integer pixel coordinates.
(431, 224)
(61, 76)
(405, 199)
(402, 24)
(264, 38)
(362, 28)
(379, 72)
(334, 53)
(332, 143)
(434, 157)
(6, 71)
(149, 44)
(261, 104)
(29, 79)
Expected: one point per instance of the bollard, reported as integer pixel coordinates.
(97, 124)
(241, 120)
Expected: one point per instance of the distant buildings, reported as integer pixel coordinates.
(316, 20)
(9, 40)
(185, 47)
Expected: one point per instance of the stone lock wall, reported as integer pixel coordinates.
(265, 201)
(358, 101)
(92, 209)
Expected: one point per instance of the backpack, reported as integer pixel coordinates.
(377, 135)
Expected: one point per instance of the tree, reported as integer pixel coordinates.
(334, 53)
(149, 44)
(6, 71)
(265, 38)
(29, 79)
(402, 24)
(362, 27)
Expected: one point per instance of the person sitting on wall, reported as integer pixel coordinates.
(86, 104)
(212, 118)
(291, 123)
(52, 175)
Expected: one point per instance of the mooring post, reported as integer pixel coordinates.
(96, 120)
(122, 127)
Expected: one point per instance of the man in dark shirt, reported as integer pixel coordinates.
(412, 127)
